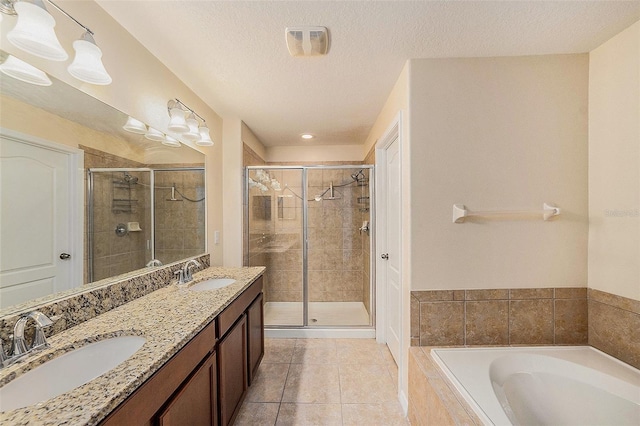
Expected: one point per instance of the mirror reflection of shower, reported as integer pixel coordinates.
(142, 217)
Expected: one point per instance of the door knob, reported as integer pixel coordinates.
(65, 256)
(385, 256)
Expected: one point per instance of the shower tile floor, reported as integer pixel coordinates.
(324, 313)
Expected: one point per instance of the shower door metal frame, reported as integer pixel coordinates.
(152, 187)
(305, 260)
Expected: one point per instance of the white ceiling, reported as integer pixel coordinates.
(233, 53)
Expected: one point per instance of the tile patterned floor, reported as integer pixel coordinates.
(323, 382)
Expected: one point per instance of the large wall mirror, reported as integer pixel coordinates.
(142, 203)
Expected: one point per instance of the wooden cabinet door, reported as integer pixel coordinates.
(232, 370)
(255, 343)
(195, 403)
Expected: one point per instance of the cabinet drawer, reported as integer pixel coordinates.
(232, 312)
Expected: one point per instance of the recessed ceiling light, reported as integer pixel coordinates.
(307, 136)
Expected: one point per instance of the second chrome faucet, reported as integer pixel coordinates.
(185, 274)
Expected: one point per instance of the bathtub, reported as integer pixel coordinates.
(555, 385)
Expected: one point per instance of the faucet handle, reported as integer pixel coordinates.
(180, 274)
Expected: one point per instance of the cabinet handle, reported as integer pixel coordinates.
(385, 256)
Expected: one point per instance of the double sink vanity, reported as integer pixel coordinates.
(182, 354)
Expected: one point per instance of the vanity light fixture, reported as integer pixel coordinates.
(20, 70)
(192, 134)
(188, 128)
(34, 33)
(135, 126)
(205, 138)
(171, 141)
(87, 65)
(154, 135)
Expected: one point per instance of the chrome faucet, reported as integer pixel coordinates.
(19, 347)
(188, 267)
(185, 274)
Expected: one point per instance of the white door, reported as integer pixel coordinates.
(36, 220)
(391, 251)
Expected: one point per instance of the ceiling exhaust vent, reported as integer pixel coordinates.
(307, 41)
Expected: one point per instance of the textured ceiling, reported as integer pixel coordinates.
(233, 53)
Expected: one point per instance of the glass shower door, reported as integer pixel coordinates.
(275, 217)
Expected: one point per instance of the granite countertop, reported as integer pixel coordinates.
(167, 318)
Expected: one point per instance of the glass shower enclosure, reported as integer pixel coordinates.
(311, 227)
(139, 215)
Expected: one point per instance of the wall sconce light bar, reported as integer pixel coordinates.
(34, 33)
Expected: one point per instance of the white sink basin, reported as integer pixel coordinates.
(67, 372)
(212, 284)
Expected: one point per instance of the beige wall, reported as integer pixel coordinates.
(232, 170)
(141, 86)
(252, 141)
(314, 154)
(614, 165)
(499, 134)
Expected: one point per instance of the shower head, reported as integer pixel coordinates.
(130, 179)
(359, 175)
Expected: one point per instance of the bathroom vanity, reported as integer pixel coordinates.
(201, 353)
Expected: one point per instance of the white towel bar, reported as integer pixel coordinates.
(460, 212)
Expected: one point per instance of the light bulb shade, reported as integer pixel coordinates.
(34, 32)
(171, 141)
(135, 126)
(20, 70)
(205, 139)
(193, 134)
(154, 135)
(87, 65)
(177, 123)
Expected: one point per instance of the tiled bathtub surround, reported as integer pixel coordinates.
(432, 398)
(75, 307)
(499, 317)
(614, 326)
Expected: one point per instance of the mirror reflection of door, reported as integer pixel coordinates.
(37, 257)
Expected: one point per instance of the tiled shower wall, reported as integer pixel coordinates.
(179, 225)
(547, 316)
(336, 246)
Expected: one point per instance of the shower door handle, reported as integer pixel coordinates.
(385, 256)
(65, 256)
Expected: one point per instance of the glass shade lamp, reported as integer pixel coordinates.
(154, 135)
(87, 65)
(20, 70)
(193, 134)
(177, 122)
(205, 139)
(135, 126)
(171, 141)
(34, 32)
